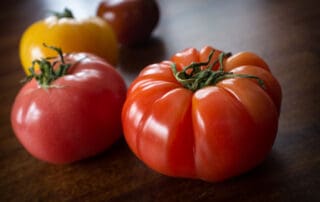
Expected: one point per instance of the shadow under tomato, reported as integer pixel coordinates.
(133, 59)
(166, 188)
(269, 168)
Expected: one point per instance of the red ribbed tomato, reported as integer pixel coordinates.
(204, 114)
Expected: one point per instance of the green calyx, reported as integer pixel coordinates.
(195, 77)
(48, 73)
(67, 13)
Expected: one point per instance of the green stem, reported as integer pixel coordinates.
(48, 73)
(67, 13)
(198, 78)
(196, 67)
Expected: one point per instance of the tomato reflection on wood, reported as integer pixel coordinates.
(70, 109)
(91, 35)
(204, 114)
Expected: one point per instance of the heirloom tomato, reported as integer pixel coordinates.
(70, 109)
(132, 20)
(92, 35)
(204, 114)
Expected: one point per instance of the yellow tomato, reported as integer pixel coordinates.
(89, 35)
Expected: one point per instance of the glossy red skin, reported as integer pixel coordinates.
(132, 20)
(77, 117)
(213, 133)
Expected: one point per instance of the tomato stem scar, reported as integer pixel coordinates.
(200, 74)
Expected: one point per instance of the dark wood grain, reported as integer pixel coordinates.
(285, 33)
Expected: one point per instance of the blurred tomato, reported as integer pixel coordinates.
(132, 20)
(92, 35)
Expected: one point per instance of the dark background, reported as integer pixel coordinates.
(285, 33)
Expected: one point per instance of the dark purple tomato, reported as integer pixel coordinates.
(132, 20)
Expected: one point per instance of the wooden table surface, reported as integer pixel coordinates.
(285, 33)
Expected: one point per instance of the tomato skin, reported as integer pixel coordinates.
(132, 20)
(77, 117)
(91, 35)
(214, 133)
